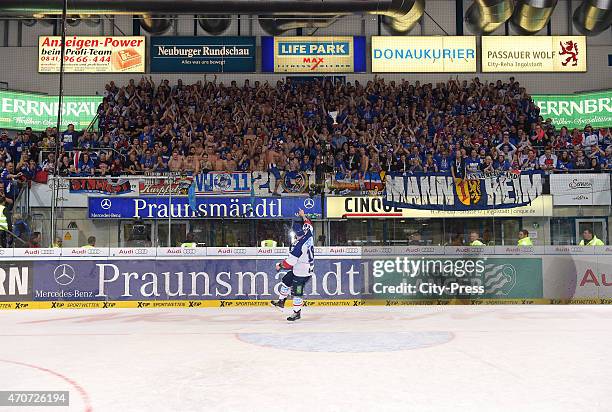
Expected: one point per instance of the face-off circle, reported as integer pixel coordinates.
(339, 342)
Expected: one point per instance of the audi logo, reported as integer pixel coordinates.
(187, 251)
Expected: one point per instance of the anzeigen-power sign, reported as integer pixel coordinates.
(92, 54)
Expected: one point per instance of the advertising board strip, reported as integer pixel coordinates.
(207, 207)
(92, 54)
(509, 54)
(53, 282)
(202, 54)
(430, 54)
(305, 54)
(591, 189)
(20, 110)
(576, 110)
(341, 207)
(198, 304)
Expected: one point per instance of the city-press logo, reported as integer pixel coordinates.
(64, 274)
(106, 204)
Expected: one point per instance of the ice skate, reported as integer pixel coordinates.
(296, 315)
(279, 304)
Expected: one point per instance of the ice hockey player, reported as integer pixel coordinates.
(299, 265)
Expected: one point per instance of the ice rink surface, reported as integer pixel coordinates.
(418, 358)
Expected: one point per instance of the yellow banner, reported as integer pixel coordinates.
(372, 206)
(92, 54)
(319, 303)
(413, 54)
(534, 54)
(314, 54)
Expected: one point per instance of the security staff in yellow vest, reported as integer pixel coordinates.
(268, 243)
(58, 243)
(474, 239)
(189, 240)
(523, 238)
(4, 227)
(589, 239)
(91, 243)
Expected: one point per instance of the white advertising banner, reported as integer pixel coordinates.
(74, 192)
(509, 54)
(580, 189)
(92, 54)
(430, 54)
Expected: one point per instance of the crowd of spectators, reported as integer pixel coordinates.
(347, 129)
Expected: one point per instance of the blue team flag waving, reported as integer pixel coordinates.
(191, 196)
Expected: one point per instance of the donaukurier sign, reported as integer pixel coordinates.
(437, 191)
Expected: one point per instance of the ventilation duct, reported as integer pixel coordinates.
(408, 14)
(485, 16)
(530, 16)
(155, 24)
(73, 20)
(215, 25)
(91, 20)
(593, 16)
(277, 25)
(401, 15)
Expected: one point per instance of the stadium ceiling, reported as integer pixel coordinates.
(276, 16)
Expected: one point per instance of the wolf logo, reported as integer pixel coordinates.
(570, 48)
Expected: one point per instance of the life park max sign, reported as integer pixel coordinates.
(306, 54)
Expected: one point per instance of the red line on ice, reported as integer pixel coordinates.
(78, 387)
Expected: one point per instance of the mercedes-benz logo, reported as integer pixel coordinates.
(106, 204)
(309, 203)
(64, 274)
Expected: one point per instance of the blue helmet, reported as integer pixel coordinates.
(299, 228)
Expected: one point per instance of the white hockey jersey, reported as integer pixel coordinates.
(301, 255)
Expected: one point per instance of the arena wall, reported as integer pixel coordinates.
(180, 277)
(21, 73)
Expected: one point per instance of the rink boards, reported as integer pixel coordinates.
(343, 276)
(315, 303)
